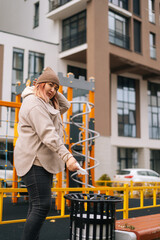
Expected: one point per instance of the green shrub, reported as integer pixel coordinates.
(104, 177)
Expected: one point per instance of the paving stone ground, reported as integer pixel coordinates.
(58, 230)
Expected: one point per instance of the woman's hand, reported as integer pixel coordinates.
(34, 81)
(71, 164)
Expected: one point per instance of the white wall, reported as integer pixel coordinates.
(11, 41)
(107, 157)
(17, 16)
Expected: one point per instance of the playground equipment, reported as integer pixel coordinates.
(90, 135)
(79, 127)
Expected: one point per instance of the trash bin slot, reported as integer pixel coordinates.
(91, 216)
(81, 232)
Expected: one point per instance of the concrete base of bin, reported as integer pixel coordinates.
(122, 235)
(91, 216)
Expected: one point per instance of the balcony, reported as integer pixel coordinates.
(120, 10)
(119, 39)
(74, 40)
(61, 9)
(53, 4)
(120, 3)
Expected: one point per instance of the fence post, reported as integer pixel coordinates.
(125, 202)
(131, 189)
(141, 198)
(62, 204)
(154, 196)
(1, 206)
(15, 177)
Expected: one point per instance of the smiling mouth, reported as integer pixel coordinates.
(50, 95)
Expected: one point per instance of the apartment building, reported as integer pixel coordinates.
(117, 42)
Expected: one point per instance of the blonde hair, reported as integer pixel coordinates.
(40, 92)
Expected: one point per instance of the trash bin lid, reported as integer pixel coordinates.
(92, 197)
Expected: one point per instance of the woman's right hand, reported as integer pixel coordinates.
(71, 164)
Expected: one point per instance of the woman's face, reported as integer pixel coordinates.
(50, 89)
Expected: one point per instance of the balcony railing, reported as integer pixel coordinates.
(53, 4)
(120, 3)
(119, 39)
(74, 40)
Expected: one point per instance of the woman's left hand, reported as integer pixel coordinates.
(71, 164)
(34, 81)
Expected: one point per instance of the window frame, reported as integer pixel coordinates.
(35, 56)
(15, 70)
(126, 103)
(119, 39)
(71, 24)
(36, 14)
(127, 158)
(154, 109)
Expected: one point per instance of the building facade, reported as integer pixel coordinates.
(117, 42)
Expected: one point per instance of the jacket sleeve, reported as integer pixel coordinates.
(45, 129)
(64, 105)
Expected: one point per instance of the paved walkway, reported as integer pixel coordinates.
(58, 230)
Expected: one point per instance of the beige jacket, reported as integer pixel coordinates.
(40, 134)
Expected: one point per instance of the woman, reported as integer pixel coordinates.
(40, 151)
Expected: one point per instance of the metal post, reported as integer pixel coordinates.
(1, 206)
(15, 177)
(125, 202)
(92, 116)
(86, 147)
(59, 177)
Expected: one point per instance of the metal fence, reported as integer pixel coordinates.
(126, 192)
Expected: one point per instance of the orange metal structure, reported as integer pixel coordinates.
(68, 139)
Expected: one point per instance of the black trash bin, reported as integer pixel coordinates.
(92, 216)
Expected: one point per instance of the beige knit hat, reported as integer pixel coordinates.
(48, 75)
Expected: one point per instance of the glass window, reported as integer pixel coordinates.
(6, 153)
(152, 42)
(126, 102)
(137, 36)
(155, 160)
(151, 10)
(17, 76)
(154, 110)
(149, 173)
(36, 15)
(127, 158)
(136, 7)
(74, 31)
(36, 63)
(142, 173)
(77, 108)
(118, 30)
(77, 71)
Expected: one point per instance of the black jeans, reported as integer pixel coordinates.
(38, 182)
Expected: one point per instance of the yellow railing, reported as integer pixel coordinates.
(126, 190)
